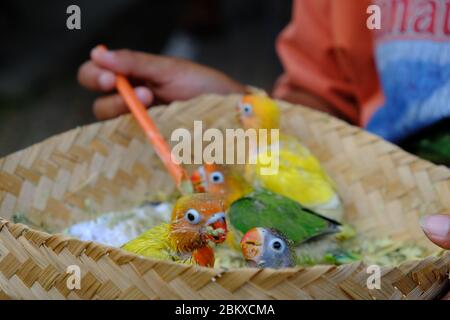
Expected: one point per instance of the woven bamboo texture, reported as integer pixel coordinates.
(109, 166)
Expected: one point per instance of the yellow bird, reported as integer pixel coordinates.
(300, 175)
(197, 224)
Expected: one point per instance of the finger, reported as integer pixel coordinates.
(437, 229)
(93, 77)
(112, 106)
(153, 68)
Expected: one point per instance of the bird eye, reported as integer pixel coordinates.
(216, 177)
(246, 109)
(192, 216)
(277, 245)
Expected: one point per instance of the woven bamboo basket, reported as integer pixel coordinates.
(109, 166)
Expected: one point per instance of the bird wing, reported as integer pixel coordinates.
(153, 243)
(300, 176)
(264, 208)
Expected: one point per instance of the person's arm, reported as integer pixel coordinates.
(327, 54)
(437, 229)
(155, 78)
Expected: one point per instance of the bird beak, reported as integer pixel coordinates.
(198, 180)
(251, 244)
(218, 228)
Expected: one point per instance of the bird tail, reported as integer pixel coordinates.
(333, 225)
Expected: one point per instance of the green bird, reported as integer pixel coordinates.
(263, 208)
(314, 238)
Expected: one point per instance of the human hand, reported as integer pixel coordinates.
(164, 78)
(437, 229)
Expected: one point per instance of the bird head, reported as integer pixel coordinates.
(220, 180)
(198, 220)
(258, 112)
(267, 248)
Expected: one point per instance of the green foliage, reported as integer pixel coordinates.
(432, 143)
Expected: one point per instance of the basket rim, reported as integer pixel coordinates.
(121, 257)
(24, 229)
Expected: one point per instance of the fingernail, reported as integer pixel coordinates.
(101, 53)
(143, 95)
(437, 225)
(106, 80)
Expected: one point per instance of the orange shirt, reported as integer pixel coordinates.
(327, 50)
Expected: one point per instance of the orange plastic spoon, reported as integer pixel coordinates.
(152, 132)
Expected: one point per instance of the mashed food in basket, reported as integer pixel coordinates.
(117, 228)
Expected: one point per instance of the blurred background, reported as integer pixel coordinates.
(39, 56)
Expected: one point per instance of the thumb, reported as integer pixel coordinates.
(437, 229)
(143, 66)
